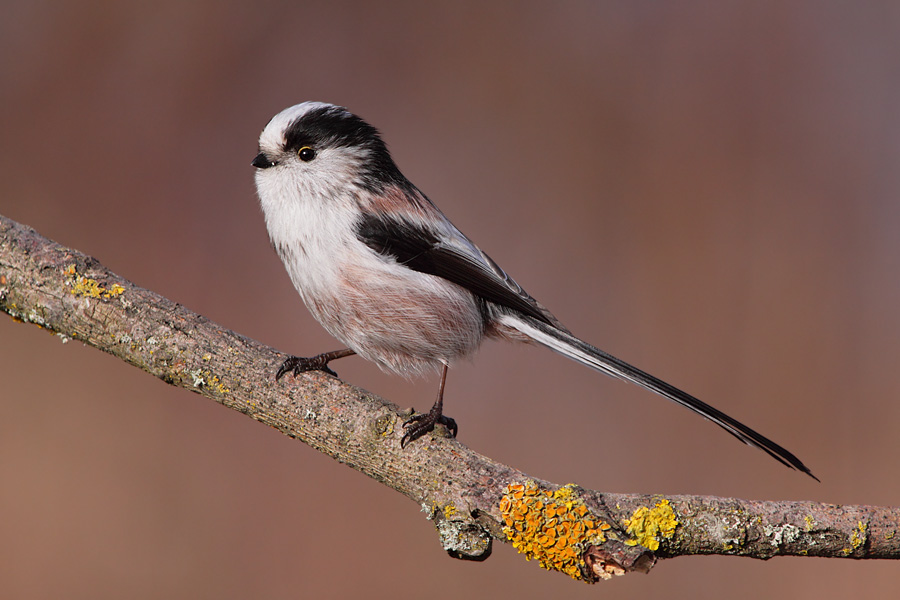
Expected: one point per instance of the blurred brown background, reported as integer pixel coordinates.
(707, 190)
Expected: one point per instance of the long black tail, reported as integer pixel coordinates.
(568, 345)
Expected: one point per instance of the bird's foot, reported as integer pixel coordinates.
(418, 425)
(299, 364)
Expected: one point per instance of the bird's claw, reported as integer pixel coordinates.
(418, 425)
(298, 364)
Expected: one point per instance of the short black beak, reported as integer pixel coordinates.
(262, 161)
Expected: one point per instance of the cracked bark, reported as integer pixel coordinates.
(73, 295)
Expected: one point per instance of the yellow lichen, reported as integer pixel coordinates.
(858, 537)
(449, 511)
(216, 383)
(810, 522)
(552, 527)
(647, 525)
(205, 378)
(90, 288)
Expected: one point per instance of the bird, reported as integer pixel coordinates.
(383, 270)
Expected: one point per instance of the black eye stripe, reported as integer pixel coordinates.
(332, 127)
(329, 126)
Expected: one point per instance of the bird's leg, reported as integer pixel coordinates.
(419, 425)
(298, 364)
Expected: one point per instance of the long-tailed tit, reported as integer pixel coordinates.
(387, 274)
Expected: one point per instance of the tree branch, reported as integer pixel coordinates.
(471, 498)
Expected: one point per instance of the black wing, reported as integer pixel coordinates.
(424, 251)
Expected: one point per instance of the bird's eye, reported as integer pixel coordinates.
(306, 153)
